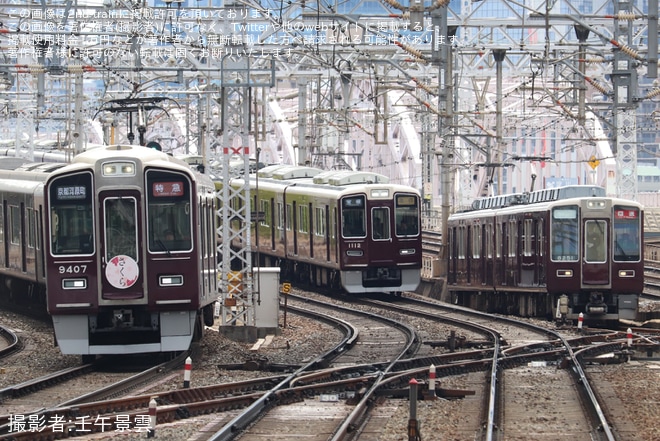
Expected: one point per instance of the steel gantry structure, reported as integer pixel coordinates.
(458, 98)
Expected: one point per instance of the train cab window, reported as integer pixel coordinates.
(406, 215)
(380, 219)
(168, 212)
(595, 249)
(626, 230)
(353, 216)
(120, 227)
(564, 234)
(71, 214)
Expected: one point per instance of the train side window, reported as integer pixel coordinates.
(30, 227)
(513, 241)
(595, 241)
(380, 218)
(319, 221)
(539, 238)
(265, 209)
(528, 236)
(280, 218)
(489, 241)
(15, 220)
(498, 239)
(303, 219)
(288, 222)
(564, 234)
(476, 242)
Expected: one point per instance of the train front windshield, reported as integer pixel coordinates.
(71, 214)
(168, 212)
(406, 215)
(564, 234)
(627, 240)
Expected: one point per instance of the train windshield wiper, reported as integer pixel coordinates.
(162, 245)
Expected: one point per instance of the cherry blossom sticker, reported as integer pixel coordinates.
(122, 271)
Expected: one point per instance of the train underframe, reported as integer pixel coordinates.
(130, 330)
(382, 279)
(23, 293)
(596, 307)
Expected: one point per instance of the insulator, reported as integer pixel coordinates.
(424, 87)
(410, 50)
(632, 53)
(596, 85)
(653, 93)
(564, 108)
(596, 60)
(622, 15)
(395, 4)
(438, 4)
(35, 68)
(75, 68)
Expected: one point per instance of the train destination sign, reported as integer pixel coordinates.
(625, 214)
(71, 192)
(165, 189)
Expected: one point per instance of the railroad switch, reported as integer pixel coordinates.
(259, 364)
(461, 342)
(423, 393)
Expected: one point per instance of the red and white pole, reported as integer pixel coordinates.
(580, 320)
(432, 381)
(186, 373)
(151, 432)
(629, 336)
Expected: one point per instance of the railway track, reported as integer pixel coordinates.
(380, 338)
(359, 394)
(9, 342)
(68, 399)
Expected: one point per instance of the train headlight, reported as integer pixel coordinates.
(595, 204)
(380, 193)
(407, 252)
(170, 280)
(626, 273)
(564, 273)
(354, 253)
(119, 169)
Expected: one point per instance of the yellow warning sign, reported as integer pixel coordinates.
(593, 162)
(286, 287)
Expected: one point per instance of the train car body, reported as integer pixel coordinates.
(346, 230)
(561, 255)
(124, 239)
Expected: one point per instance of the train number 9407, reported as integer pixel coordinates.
(72, 269)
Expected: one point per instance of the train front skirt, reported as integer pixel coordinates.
(174, 334)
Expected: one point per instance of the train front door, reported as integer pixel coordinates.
(595, 264)
(120, 248)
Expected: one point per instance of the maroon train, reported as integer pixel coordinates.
(351, 231)
(558, 253)
(120, 245)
